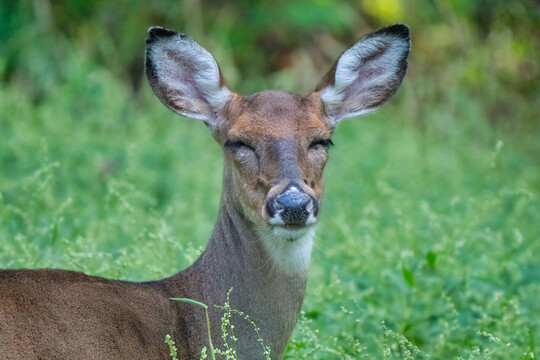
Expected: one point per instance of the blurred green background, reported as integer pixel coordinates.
(429, 242)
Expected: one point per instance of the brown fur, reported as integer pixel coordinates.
(280, 127)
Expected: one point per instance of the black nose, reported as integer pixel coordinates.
(293, 205)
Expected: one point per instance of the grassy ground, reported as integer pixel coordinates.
(429, 240)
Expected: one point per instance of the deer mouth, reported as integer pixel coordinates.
(291, 232)
(293, 227)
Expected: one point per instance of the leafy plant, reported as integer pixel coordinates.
(227, 330)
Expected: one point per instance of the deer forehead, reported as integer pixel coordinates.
(275, 115)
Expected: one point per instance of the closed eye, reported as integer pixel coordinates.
(323, 142)
(235, 145)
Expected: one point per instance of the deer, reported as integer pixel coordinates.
(275, 147)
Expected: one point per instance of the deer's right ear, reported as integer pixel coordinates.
(366, 75)
(184, 76)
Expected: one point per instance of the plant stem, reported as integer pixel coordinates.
(198, 303)
(209, 335)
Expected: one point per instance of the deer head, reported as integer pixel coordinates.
(276, 143)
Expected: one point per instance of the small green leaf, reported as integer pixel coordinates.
(408, 276)
(191, 301)
(431, 259)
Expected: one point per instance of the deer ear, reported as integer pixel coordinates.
(184, 76)
(367, 74)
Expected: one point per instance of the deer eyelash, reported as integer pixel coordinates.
(323, 142)
(235, 144)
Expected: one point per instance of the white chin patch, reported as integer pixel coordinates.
(286, 234)
(289, 249)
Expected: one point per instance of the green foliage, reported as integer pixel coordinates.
(430, 219)
(408, 276)
(227, 331)
(172, 347)
(431, 259)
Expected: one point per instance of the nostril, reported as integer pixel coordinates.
(314, 207)
(305, 181)
(270, 207)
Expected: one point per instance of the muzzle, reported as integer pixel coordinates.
(292, 207)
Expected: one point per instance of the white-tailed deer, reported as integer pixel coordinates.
(275, 147)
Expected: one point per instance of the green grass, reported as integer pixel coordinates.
(429, 240)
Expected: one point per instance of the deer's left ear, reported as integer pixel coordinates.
(184, 76)
(367, 74)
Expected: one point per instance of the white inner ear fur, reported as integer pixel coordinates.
(192, 77)
(359, 79)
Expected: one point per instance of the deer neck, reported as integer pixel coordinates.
(237, 258)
